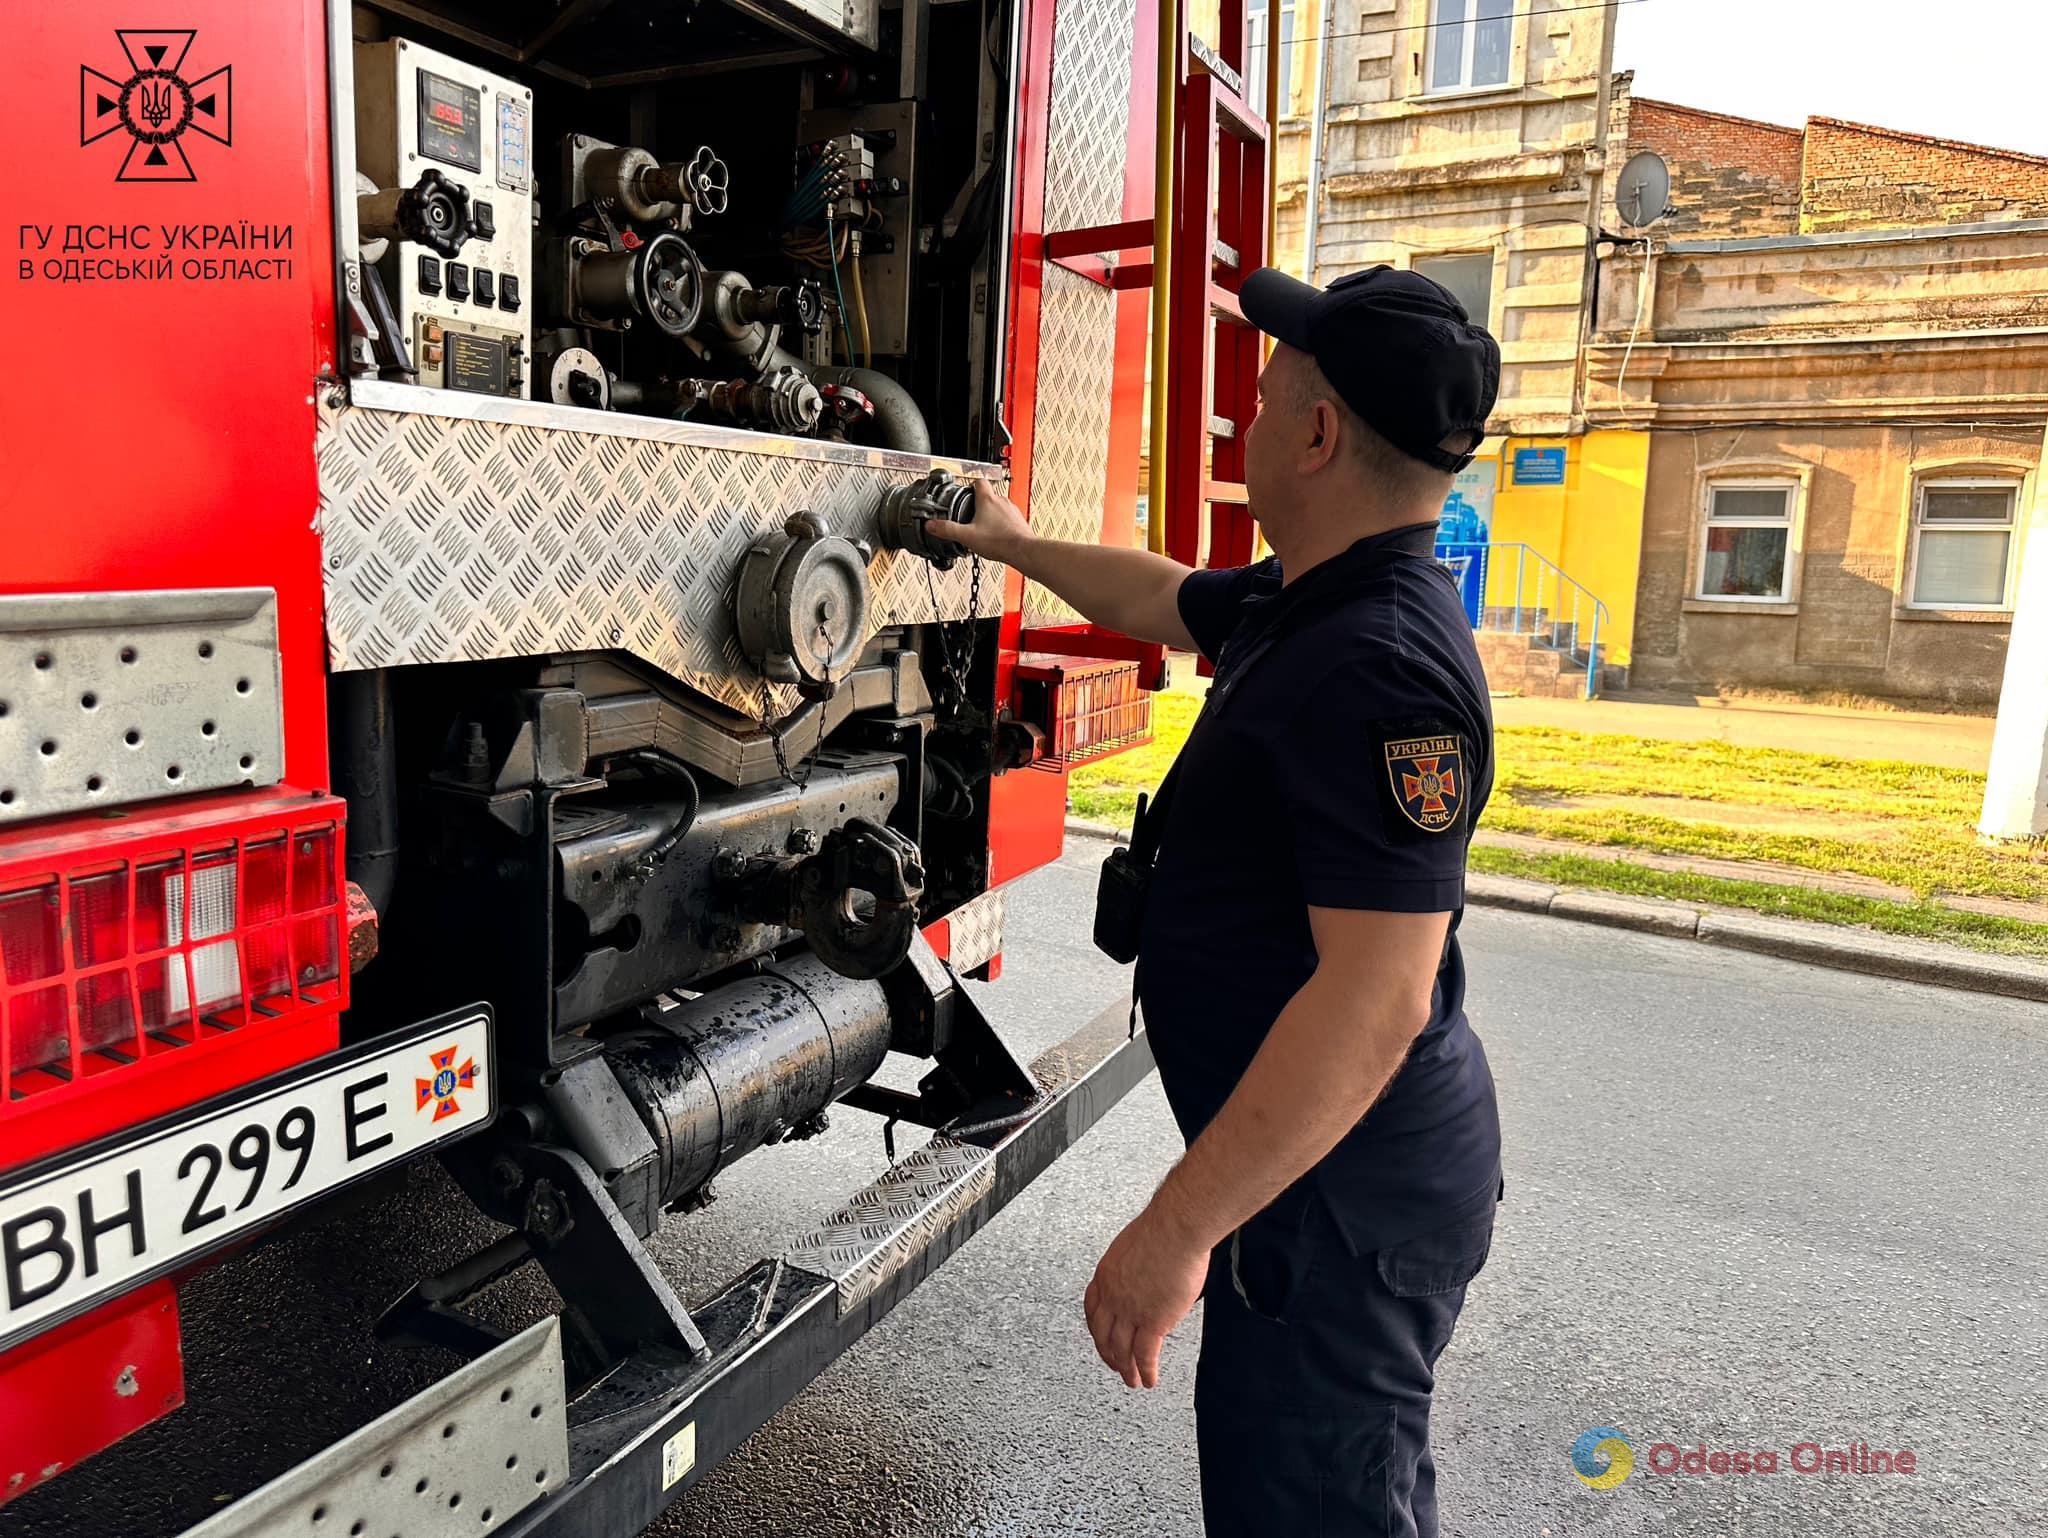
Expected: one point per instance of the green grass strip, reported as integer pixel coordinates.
(1923, 921)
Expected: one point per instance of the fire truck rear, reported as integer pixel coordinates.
(478, 680)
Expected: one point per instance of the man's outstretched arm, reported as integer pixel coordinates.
(1333, 1050)
(1131, 591)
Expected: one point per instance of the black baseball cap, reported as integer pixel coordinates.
(1399, 349)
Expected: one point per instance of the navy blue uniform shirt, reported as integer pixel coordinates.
(1344, 753)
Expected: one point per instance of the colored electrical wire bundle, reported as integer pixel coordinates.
(810, 205)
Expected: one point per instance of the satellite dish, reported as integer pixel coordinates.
(1642, 193)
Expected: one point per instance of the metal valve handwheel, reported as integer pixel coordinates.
(435, 212)
(669, 283)
(708, 181)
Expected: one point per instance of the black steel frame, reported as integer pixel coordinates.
(776, 1327)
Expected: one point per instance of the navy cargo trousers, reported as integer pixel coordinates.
(1312, 1394)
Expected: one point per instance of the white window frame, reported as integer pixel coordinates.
(1493, 276)
(1469, 43)
(2015, 487)
(1793, 488)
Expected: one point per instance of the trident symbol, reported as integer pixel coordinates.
(156, 103)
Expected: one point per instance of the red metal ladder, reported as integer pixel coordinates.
(1219, 239)
(1218, 214)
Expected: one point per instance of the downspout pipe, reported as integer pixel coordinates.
(1317, 132)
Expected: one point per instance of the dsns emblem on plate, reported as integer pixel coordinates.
(1428, 776)
(440, 1090)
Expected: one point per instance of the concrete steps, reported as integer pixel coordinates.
(1522, 664)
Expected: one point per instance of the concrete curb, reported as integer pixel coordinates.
(1102, 830)
(1822, 945)
(1825, 945)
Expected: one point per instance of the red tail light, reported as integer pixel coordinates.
(128, 949)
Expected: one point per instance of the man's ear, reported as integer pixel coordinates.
(1325, 435)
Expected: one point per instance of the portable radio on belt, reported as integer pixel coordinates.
(1126, 877)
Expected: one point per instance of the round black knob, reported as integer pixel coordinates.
(803, 307)
(435, 212)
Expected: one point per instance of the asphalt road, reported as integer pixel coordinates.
(1751, 1205)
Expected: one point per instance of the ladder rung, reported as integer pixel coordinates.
(1224, 306)
(1100, 239)
(1222, 427)
(1211, 64)
(1225, 491)
(1228, 255)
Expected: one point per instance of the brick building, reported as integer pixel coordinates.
(1787, 436)
(1734, 176)
(1837, 342)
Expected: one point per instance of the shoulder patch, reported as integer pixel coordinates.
(1425, 776)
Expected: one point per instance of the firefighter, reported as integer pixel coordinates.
(1298, 960)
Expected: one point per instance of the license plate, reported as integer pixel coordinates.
(82, 1227)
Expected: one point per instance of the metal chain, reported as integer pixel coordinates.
(957, 668)
(775, 741)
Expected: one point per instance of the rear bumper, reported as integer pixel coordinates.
(654, 1426)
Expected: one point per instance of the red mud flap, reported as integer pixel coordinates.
(85, 1385)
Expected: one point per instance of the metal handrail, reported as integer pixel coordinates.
(1544, 624)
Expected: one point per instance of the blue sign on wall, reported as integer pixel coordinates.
(1539, 467)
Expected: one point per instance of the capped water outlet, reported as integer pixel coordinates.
(802, 604)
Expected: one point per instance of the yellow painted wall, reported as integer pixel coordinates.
(1591, 526)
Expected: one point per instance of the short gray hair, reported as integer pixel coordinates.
(1402, 477)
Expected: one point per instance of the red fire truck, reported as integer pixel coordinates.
(477, 681)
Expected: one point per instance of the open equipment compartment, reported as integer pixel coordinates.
(728, 214)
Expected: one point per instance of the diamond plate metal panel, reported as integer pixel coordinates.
(1089, 124)
(491, 1438)
(868, 1240)
(975, 930)
(110, 698)
(455, 539)
(1087, 135)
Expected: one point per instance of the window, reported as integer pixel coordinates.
(1746, 542)
(1962, 544)
(1468, 44)
(1469, 277)
(1255, 57)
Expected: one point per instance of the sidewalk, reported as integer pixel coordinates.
(1765, 872)
(1841, 946)
(1912, 737)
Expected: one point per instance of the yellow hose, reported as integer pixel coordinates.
(860, 305)
(1166, 114)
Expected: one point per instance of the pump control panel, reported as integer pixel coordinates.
(449, 225)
